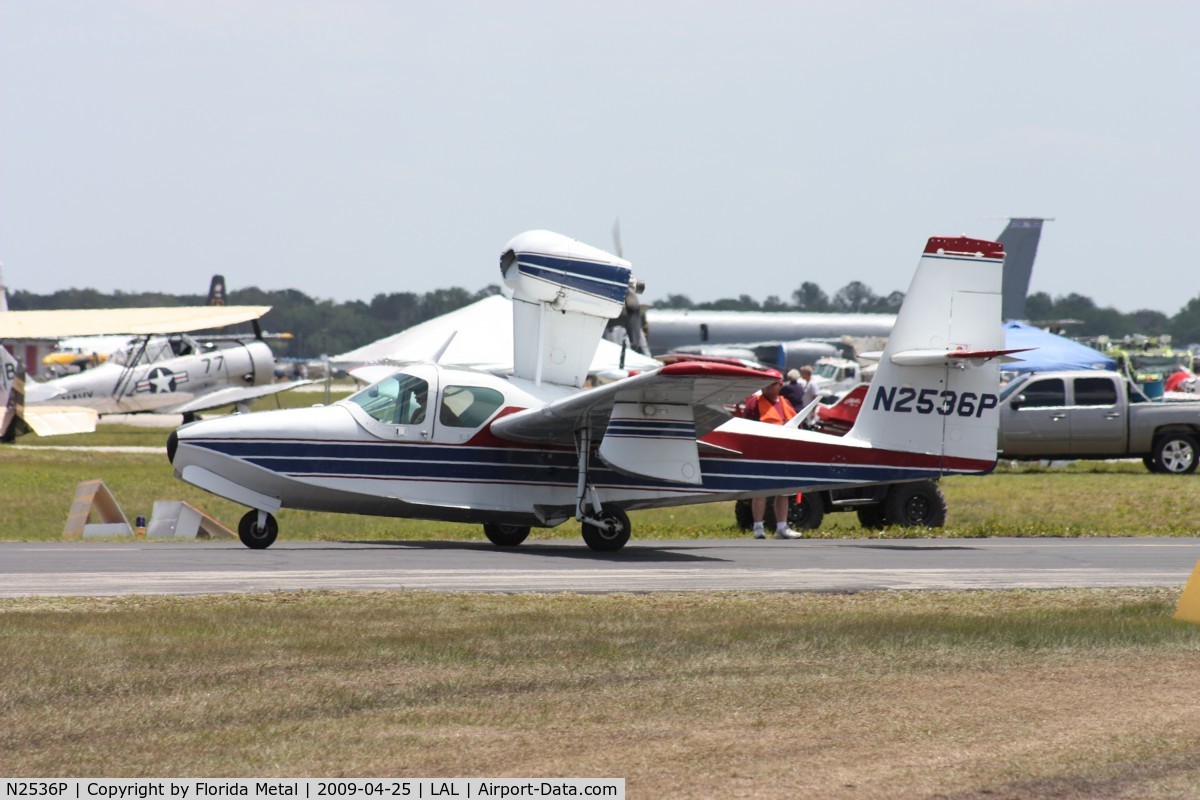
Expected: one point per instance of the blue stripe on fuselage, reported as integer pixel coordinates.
(467, 463)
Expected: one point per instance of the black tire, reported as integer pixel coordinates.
(915, 504)
(254, 537)
(871, 517)
(1175, 454)
(1150, 463)
(743, 515)
(505, 535)
(808, 517)
(608, 541)
(808, 514)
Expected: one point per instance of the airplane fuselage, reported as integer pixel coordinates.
(370, 456)
(113, 388)
(670, 328)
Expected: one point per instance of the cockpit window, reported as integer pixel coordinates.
(827, 371)
(398, 400)
(468, 406)
(144, 351)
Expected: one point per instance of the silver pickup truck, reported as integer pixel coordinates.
(1090, 414)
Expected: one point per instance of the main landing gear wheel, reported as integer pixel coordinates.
(505, 535)
(606, 539)
(255, 537)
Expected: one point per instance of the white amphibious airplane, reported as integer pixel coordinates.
(162, 370)
(535, 449)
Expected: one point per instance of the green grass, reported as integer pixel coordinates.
(1000, 694)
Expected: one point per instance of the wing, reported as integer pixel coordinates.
(229, 396)
(105, 321)
(647, 425)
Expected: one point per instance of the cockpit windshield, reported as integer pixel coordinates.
(157, 348)
(398, 400)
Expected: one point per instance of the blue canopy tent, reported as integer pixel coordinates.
(1053, 352)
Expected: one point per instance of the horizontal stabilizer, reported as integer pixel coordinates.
(929, 358)
(59, 420)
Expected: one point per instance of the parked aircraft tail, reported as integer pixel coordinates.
(16, 418)
(12, 396)
(1020, 240)
(564, 292)
(216, 291)
(935, 391)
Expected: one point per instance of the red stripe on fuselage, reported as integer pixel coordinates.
(768, 448)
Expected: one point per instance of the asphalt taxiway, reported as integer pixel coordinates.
(844, 565)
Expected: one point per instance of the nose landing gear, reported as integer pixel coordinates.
(258, 530)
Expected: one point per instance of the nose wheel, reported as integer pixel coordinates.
(258, 530)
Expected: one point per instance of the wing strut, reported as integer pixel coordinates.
(125, 382)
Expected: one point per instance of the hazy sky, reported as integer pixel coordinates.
(356, 147)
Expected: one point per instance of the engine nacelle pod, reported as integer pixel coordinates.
(564, 293)
(547, 267)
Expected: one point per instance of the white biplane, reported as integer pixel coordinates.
(162, 369)
(535, 449)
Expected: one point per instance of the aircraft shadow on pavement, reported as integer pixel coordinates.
(630, 555)
(918, 548)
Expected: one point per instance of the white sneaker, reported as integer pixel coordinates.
(759, 533)
(788, 533)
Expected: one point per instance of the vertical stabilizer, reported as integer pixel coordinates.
(935, 391)
(12, 396)
(216, 291)
(564, 293)
(1020, 239)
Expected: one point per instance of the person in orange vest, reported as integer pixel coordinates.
(770, 407)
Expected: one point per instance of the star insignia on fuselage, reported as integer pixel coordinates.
(161, 380)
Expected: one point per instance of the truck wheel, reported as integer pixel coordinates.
(912, 504)
(741, 513)
(871, 517)
(745, 517)
(808, 514)
(1175, 453)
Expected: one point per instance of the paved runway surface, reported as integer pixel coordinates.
(100, 569)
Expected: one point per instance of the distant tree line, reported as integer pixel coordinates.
(854, 297)
(325, 327)
(318, 327)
